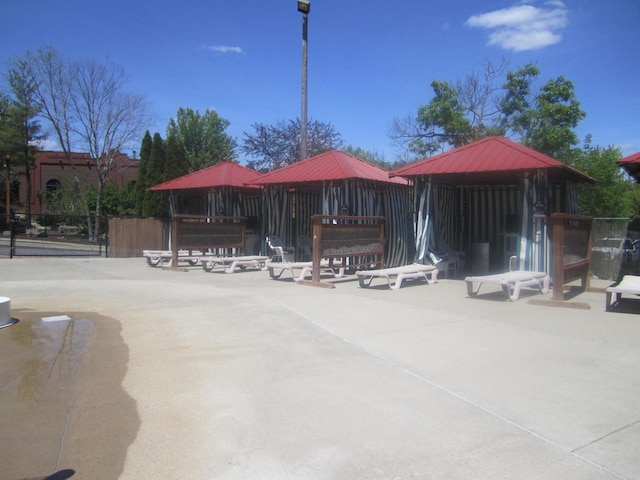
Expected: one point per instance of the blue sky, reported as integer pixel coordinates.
(370, 61)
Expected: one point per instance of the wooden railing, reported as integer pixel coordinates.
(194, 232)
(571, 251)
(358, 240)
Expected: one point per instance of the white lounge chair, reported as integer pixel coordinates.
(396, 275)
(283, 252)
(231, 263)
(511, 282)
(164, 258)
(630, 285)
(276, 269)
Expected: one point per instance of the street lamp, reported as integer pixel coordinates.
(304, 7)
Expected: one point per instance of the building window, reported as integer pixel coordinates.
(52, 186)
(15, 189)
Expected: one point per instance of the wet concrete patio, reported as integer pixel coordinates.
(193, 375)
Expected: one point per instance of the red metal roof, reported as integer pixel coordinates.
(635, 158)
(486, 156)
(631, 164)
(331, 165)
(224, 174)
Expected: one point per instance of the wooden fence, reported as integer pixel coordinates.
(128, 236)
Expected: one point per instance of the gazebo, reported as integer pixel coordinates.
(221, 189)
(335, 183)
(212, 190)
(631, 165)
(490, 199)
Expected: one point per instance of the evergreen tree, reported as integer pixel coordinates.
(142, 182)
(153, 204)
(23, 114)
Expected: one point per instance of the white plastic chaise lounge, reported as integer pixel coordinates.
(276, 269)
(164, 258)
(511, 282)
(396, 275)
(230, 264)
(630, 285)
(280, 250)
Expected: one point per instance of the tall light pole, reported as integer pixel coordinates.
(304, 7)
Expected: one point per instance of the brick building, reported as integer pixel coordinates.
(53, 170)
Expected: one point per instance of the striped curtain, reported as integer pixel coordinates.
(453, 218)
(251, 205)
(366, 199)
(398, 227)
(234, 203)
(447, 218)
(330, 200)
(512, 218)
(359, 198)
(535, 241)
(226, 201)
(423, 224)
(492, 215)
(307, 203)
(573, 204)
(173, 210)
(278, 213)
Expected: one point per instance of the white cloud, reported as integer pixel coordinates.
(523, 27)
(223, 49)
(46, 144)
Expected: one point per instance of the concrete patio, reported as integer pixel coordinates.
(193, 375)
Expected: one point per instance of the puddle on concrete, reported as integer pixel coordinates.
(46, 359)
(47, 386)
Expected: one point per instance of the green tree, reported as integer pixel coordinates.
(153, 204)
(175, 163)
(479, 106)
(20, 127)
(8, 144)
(143, 181)
(87, 108)
(65, 200)
(203, 137)
(457, 114)
(275, 146)
(613, 194)
(116, 199)
(546, 121)
(372, 156)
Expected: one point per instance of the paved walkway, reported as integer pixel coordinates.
(193, 375)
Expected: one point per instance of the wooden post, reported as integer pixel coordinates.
(316, 253)
(557, 222)
(174, 241)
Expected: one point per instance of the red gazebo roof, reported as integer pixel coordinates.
(631, 165)
(331, 165)
(224, 174)
(490, 157)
